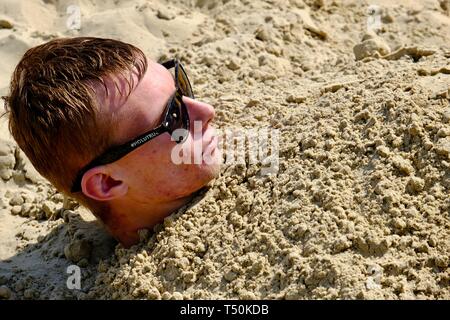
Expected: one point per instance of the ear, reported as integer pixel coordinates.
(98, 184)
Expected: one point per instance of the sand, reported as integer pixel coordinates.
(359, 207)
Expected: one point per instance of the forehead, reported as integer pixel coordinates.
(135, 113)
(120, 89)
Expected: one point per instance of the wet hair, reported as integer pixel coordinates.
(53, 107)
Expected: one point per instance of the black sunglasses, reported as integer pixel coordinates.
(174, 117)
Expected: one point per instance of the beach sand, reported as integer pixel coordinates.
(359, 207)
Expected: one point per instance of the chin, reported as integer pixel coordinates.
(214, 171)
(205, 174)
(209, 172)
(212, 163)
(212, 167)
(199, 175)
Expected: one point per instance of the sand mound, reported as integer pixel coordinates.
(359, 206)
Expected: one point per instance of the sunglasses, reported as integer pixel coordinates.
(175, 117)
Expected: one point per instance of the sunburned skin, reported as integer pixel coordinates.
(146, 185)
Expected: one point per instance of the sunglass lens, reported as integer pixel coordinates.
(183, 83)
(178, 118)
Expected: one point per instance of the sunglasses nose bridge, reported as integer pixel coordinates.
(177, 119)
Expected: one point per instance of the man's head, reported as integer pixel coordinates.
(72, 99)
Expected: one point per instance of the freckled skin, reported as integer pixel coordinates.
(145, 186)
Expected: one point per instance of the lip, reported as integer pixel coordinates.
(213, 141)
(211, 145)
(208, 135)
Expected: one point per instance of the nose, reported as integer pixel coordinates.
(199, 111)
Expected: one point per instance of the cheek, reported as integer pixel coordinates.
(156, 175)
(150, 161)
(155, 167)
